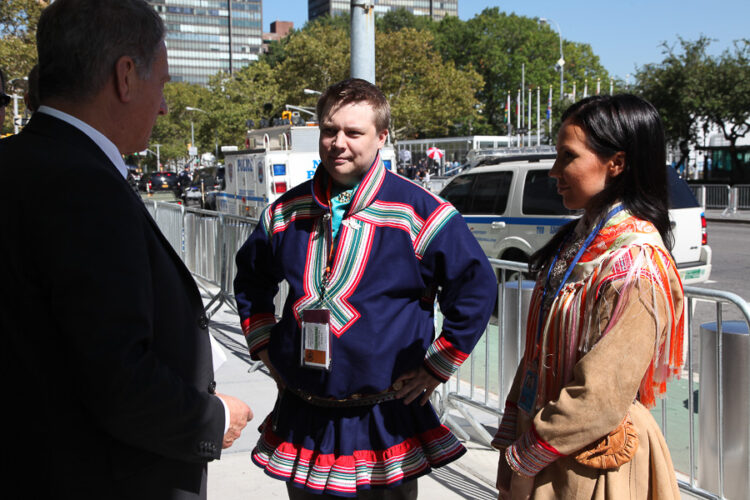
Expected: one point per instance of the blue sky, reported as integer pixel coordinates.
(624, 33)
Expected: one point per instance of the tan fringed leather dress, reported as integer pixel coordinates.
(602, 347)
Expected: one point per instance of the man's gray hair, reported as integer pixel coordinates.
(79, 42)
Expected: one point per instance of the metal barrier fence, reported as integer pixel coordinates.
(208, 242)
(722, 196)
(712, 195)
(743, 196)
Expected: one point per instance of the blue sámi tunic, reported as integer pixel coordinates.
(397, 245)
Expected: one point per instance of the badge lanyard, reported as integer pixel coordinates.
(575, 260)
(315, 348)
(530, 384)
(329, 261)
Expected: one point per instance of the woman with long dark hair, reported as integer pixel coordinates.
(605, 325)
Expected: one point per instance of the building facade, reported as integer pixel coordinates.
(434, 8)
(208, 36)
(279, 30)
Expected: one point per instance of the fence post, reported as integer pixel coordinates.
(731, 209)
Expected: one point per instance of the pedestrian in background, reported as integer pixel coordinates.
(106, 347)
(605, 324)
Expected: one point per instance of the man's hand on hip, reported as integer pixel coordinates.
(416, 383)
(263, 355)
(239, 415)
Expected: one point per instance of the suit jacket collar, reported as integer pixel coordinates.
(49, 126)
(59, 130)
(102, 141)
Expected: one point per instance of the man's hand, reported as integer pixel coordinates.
(263, 355)
(416, 383)
(239, 415)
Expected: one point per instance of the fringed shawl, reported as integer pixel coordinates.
(628, 253)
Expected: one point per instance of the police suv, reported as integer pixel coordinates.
(512, 207)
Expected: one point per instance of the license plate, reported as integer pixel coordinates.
(165, 185)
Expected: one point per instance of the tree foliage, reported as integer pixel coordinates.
(674, 87)
(428, 97)
(725, 93)
(497, 45)
(18, 21)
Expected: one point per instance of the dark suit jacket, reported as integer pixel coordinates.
(104, 333)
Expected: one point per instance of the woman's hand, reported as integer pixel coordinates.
(503, 477)
(521, 487)
(510, 485)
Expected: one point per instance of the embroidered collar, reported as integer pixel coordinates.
(365, 194)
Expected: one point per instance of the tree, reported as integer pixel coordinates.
(252, 94)
(497, 45)
(675, 87)
(395, 20)
(18, 21)
(172, 132)
(428, 97)
(316, 57)
(725, 96)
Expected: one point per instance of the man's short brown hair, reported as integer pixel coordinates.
(354, 90)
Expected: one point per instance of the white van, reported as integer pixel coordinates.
(279, 159)
(512, 207)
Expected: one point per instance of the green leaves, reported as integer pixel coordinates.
(690, 89)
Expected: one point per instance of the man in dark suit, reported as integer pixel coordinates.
(106, 345)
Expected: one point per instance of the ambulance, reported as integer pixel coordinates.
(277, 159)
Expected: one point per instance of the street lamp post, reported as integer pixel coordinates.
(561, 61)
(192, 131)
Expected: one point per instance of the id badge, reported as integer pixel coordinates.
(528, 391)
(316, 339)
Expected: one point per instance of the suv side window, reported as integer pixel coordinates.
(457, 192)
(490, 193)
(540, 195)
(680, 195)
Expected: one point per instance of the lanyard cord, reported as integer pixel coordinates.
(575, 260)
(329, 261)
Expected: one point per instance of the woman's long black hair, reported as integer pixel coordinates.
(626, 123)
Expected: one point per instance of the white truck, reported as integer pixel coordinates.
(277, 159)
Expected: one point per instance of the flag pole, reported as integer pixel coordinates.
(538, 119)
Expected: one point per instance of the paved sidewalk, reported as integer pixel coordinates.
(236, 477)
(715, 215)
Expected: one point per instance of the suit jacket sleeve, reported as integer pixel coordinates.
(99, 258)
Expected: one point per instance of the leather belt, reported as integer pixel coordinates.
(350, 401)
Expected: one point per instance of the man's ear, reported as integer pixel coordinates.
(382, 135)
(616, 164)
(125, 78)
